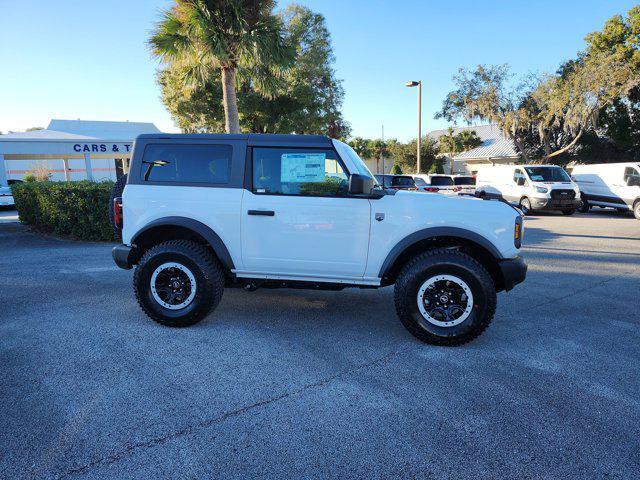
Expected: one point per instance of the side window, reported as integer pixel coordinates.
(298, 171)
(631, 176)
(184, 163)
(519, 178)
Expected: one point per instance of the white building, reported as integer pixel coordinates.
(495, 149)
(71, 150)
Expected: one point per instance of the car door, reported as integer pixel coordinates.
(629, 189)
(515, 191)
(298, 219)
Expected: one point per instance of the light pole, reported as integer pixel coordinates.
(419, 85)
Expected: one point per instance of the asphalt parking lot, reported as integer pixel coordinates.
(301, 384)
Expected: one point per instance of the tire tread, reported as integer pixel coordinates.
(413, 267)
(211, 270)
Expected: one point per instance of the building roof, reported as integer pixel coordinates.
(84, 130)
(494, 143)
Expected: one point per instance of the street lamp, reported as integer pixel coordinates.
(419, 85)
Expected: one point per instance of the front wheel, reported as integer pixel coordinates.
(445, 297)
(636, 210)
(584, 207)
(525, 206)
(177, 283)
(569, 211)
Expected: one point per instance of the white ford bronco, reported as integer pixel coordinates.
(200, 213)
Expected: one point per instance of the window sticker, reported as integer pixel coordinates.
(537, 178)
(302, 167)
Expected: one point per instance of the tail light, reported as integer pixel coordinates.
(456, 189)
(432, 189)
(117, 212)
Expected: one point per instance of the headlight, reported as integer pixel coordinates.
(542, 190)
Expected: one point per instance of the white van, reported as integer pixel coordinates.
(532, 187)
(615, 185)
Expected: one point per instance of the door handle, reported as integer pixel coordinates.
(265, 213)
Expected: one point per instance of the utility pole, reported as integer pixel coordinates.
(381, 154)
(419, 85)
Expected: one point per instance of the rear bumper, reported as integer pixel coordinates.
(514, 271)
(6, 200)
(124, 256)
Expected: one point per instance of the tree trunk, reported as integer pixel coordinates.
(512, 135)
(229, 100)
(451, 163)
(565, 148)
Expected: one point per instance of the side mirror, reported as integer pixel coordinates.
(360, 184)
(520, 181)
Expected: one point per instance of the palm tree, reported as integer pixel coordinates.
(450, 144)
(239, 37)
(469, 139)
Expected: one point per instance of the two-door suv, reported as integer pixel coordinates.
(200, 213)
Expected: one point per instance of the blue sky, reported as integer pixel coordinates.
(83, 59)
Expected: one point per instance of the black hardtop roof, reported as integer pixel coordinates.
(252, 139)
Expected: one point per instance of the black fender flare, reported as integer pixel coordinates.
(435, 232)
(200, 228)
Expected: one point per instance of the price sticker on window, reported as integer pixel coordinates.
(303, 167)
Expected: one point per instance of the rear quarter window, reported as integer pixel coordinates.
(183, 163)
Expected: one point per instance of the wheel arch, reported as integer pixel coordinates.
(171, 228)
(471, 243)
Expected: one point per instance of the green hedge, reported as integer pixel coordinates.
(75, 209)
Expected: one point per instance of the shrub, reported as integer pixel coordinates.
(396, 169)
(76, 209)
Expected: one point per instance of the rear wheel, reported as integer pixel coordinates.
(525, 206)
(569, 211)
(177, 283)
(445, 297)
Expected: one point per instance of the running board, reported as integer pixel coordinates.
(370, 281)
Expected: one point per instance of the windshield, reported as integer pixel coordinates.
(344, 149)
(441, 181)
(464, 180)
(420, 182)
(547, 174)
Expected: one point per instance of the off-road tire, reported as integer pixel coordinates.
(201, 263)
(636, 209)
(116, 191)
(450, 262)
(569, 211)
(525, 206)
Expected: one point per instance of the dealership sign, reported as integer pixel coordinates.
(102, 148)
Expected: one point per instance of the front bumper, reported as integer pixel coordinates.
(124, 256)
(554, 204)
(514, 271)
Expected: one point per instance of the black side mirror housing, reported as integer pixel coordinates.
(360, 184)
(520, 181)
